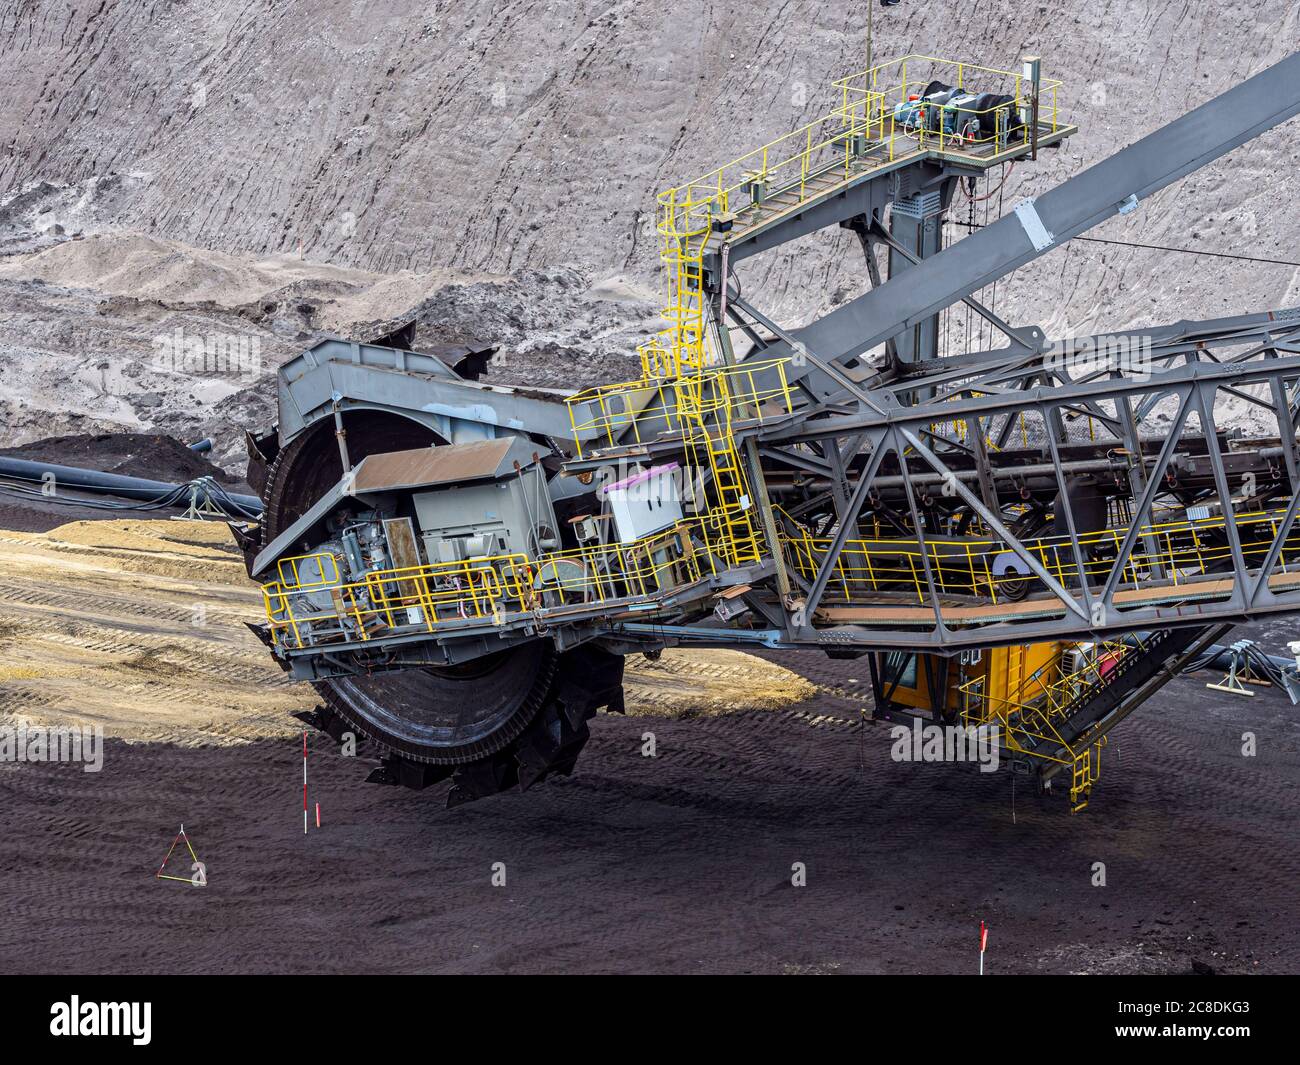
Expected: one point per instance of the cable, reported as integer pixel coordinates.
(1190, 251)
(170, 500)
(215, 494)
(1247, 655)
(1001, 189)
(1006, 173)
(225, 501)
(1162, 247)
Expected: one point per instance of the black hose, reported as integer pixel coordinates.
(154, 494)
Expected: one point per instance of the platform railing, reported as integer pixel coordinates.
(609, 414)
(404, 598)
(1180, 550)
(864, 117)
(879, 121)
(494, 590)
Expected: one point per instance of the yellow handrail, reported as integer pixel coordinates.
(966, 567)
(853, 136)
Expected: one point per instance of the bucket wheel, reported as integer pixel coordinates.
(505, 719)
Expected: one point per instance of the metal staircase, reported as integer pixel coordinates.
(1083, 724)
(1065, 720)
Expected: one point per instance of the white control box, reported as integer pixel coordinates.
(647, 502)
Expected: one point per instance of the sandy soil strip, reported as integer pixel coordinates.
(137, 625)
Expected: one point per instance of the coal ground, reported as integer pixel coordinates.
(153, 456)
(677, 863)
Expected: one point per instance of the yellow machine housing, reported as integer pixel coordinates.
(965, 685)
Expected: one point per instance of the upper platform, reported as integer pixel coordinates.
(917, 108)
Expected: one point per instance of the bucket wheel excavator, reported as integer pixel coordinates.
(1020, 532)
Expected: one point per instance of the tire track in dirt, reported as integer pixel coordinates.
(98, 627)
(680, 862)
(47, 596)
(197, 659)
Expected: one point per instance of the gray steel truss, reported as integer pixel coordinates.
(903, 452)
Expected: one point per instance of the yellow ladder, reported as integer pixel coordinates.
(700, 395)
(685, 229)
(703, 397)
(1084, 773)
(736, 525)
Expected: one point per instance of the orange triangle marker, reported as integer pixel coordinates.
(160, 875)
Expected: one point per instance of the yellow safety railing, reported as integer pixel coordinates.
(867, 105)
(758, 390)
(642, 569)
(326, 564)
(1179, 550)
(423, 598)
(1028, 723)
(881, 90)
(880, 120)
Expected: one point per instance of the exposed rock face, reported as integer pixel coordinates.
(493, 137)
(494, 167)
(123, 332)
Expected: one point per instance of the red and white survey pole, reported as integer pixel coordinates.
(304, 782)
(984, 942)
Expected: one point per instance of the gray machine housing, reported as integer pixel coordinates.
(508, 513)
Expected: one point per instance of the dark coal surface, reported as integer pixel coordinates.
(680, 863)
(154, 456)
(25, 513)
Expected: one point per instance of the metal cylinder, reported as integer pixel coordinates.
(110, 483)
